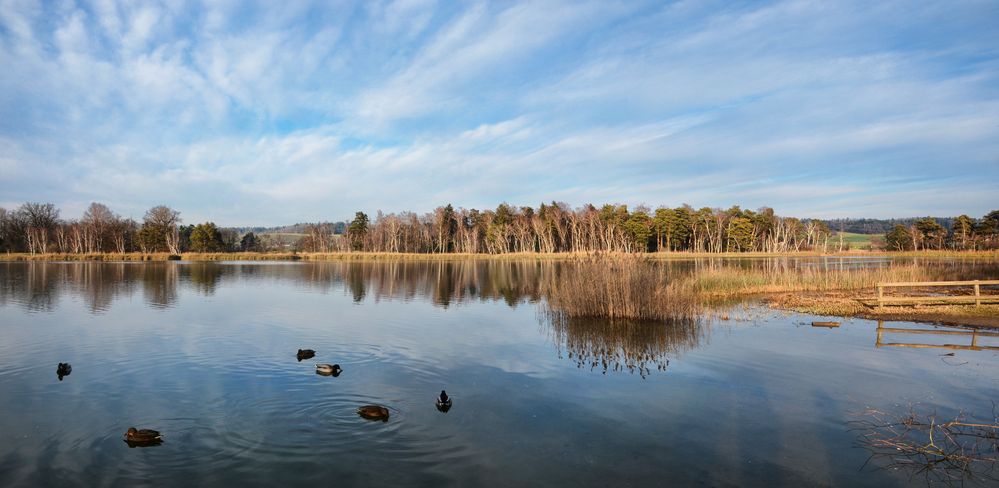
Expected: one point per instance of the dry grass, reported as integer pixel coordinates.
(848, 305)
(993, 254)
(129, 256)
(293, 256)
(728, 281)
(382, 256)
(628, 287)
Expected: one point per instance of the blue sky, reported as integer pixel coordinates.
(277, 112)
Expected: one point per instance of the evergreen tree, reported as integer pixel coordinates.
(898, 239)
(206, 238)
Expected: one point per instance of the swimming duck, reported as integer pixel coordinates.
(142, 437)
(328, 369)
(443, 402)
(64, 369)
(305, 354)
(374, 412)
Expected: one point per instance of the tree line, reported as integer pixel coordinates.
(556, 227)
(964, 233)
(550, 228)
(38, 228)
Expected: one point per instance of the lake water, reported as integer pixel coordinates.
(205, 353)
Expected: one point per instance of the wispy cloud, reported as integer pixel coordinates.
(266, 113)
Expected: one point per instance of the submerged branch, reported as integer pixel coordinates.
(948, 452)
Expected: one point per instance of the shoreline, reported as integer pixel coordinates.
(383, 256)
(847, 305)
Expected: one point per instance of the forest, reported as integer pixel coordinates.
(549, 228)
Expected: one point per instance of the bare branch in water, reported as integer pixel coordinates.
(951, 453)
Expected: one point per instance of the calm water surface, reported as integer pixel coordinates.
(205, 353)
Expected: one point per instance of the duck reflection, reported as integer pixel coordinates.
(615, 346)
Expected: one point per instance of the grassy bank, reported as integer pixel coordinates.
(839, 293)
(848, 305)
(283, 256)
(727, 282)
(387, 256)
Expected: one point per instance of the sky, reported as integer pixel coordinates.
(272, 113)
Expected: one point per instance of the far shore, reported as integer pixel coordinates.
(388, 256)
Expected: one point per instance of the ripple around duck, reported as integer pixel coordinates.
(312, 415)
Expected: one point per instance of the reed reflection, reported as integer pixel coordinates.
(623, 345)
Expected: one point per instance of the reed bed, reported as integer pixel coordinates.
(293, 256)
(129, 256)
(626, 287)
(731, 281)
(395, 256)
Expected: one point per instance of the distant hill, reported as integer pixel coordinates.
(879, 226)
(299, 228)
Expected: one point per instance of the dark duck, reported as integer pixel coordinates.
(64, 369)
(142, 437)
(443, 402)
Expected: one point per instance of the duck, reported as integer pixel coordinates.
(443, 402)
(64, 369)
(374, 412)
(305, 354)
(142, 437)
(328, 369)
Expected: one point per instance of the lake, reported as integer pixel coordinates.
(206, 354)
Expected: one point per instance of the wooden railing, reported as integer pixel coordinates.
(977, 298)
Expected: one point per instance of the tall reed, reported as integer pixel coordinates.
(731, 281)
(620, 287)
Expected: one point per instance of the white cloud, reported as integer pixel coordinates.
(265, 113)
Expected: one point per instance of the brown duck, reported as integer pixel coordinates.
(374, 412)
(142, 437)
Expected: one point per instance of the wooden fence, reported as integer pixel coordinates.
(977, 298)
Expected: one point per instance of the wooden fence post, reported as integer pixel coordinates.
(978, 295)
(880, 296)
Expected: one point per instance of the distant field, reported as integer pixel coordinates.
(858, 241)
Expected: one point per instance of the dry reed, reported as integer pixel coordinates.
(628, 287)
(729, 281)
